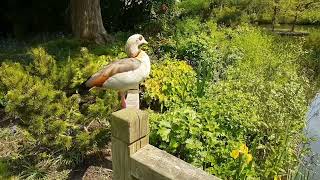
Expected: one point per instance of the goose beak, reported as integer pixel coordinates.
(144, 42)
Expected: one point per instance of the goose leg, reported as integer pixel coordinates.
(123, 99)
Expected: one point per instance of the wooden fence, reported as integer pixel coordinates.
(133, 158)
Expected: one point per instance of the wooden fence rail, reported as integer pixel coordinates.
(133, 158)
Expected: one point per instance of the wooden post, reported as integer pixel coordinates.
(130, 132)
(151, 163)
(132, 156)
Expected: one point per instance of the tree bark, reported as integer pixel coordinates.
(274, 17)
(294, 22)
(276, 9)
(86, 21)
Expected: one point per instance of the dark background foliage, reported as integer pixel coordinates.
(19, 18)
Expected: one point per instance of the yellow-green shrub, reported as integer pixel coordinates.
(260, 101)
(41, 97)
(170, 82)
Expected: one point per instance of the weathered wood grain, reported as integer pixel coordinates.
(130, 132)
(129, 125)
(151, 163)
(120, 158)
(134, 159)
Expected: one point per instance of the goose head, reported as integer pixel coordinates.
(133, 43)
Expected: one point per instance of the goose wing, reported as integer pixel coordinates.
(120, 66)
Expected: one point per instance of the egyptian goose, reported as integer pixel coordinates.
(123, 74)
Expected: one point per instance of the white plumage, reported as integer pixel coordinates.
(130, 79)
(125, 73)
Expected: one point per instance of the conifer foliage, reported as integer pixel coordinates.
(57, 123)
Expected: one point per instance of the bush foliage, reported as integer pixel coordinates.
(229, 100)
(257, 98)
(41, 97)
(167, 87)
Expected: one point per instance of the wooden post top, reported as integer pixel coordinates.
(129, 125)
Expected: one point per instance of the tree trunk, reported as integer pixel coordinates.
(274, 17)
(87, 22)
(276, 9)
(294, 22)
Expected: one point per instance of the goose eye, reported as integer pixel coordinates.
(140, 38)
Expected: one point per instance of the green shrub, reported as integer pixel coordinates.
(206, 135)
(194, 6)
(170, 82)
(259, 102)
(58, 122)
(229, 16)
(203, 46)
(310, 61)
(310, 17)
(231, 101)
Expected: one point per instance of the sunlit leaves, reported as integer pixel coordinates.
(170, 82)
(259, 99)
(54, 122)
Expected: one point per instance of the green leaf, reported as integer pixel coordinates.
(164, 134)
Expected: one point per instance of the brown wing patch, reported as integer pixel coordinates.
(96, 80)
(123, 65)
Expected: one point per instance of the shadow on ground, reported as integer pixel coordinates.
(96, 166)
